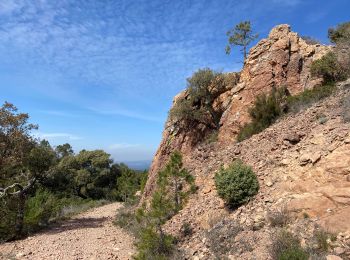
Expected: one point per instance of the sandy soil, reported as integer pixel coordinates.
(90, 235)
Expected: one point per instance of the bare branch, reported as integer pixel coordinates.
(6, 191)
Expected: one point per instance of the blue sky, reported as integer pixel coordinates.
(102, 73)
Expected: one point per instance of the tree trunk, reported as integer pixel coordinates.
(20, 214)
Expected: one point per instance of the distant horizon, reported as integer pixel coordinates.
(103, 75)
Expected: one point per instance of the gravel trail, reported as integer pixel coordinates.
(89, 235)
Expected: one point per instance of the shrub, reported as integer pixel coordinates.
(310, 40)
(278, 218)
(340, 33)
(285, 246)
(308, 97)
(236, 184)
(203, 87)
(328, 68)
(186, 229)
(154, 246)
(265, 111)
(268, 108)
(322, 239)
(222, 236)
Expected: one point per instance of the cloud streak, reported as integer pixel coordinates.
(55, 136)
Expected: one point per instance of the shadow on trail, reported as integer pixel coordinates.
(74, 224)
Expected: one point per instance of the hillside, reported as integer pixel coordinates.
(302, 161)
(283, 59)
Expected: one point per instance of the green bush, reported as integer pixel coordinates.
(340, 33)
(197, 107)
(322, 237)
(154, 246)
(268, 108)
(236, 184)
(328, 68)
(265, 111)
(296, 253)
(308, 97)
(285, 246)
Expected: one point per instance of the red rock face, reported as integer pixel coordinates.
(283, 59)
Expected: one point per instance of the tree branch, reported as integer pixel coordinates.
(6, 191)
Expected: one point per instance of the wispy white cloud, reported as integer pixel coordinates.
(55, 136)
(57, 113)
(123, 146)
(126, 113)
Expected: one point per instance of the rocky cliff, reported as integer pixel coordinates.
(283, 59)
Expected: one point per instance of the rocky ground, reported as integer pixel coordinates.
(90, 235)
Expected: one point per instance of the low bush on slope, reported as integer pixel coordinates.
(236, 184)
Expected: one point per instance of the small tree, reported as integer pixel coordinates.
(166, 201)
(23, 162)
(173, 179)
(203, 87)
(241, 35)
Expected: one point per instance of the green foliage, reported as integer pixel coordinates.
(186, 229)
(197, 107)
(296, 253)
(322, 237)
(285, 246)
(39, 183)
(42, 208)
(176, 182)
(154, 246)
(340, 33)
(129, 183)
(308, 97)
(265, 111)
(237, 184)
(173, 187)
(328, 68)
(241, 35)
(64, 150)
(268, 108)
(335, 65)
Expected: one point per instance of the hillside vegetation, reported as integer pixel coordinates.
(40, 183)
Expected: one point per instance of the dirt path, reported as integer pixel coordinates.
(90, 235)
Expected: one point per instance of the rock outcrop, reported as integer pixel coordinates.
(302, 161)
(283, 59)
